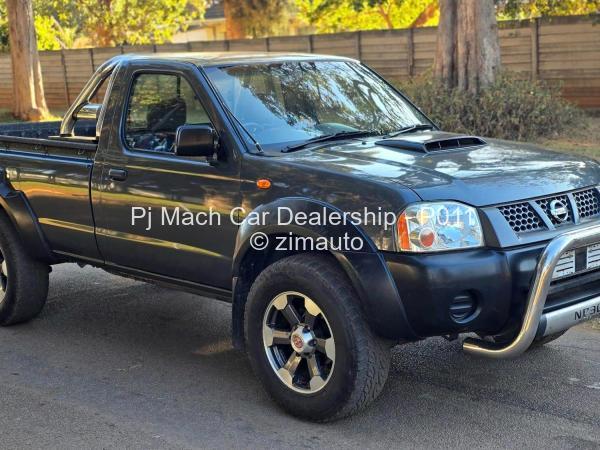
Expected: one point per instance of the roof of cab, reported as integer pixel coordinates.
(226, 58)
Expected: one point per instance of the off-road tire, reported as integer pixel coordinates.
(24, 280)
(362, 360)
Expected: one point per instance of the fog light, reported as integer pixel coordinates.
(463, 306)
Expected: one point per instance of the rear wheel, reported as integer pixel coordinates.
(308, 342)
(23, 280)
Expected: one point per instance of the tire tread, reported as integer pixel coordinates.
(373, 359)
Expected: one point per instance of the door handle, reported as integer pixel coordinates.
(117, 174)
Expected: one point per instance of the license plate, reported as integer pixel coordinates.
(576, 261)
(565, 265)
(593, 256)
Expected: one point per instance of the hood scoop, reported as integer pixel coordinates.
(432, 142)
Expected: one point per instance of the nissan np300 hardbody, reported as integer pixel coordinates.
(332, 213)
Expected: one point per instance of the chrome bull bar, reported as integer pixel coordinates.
(534, 322)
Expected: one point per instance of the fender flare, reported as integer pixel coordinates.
(366, 269)
(270, 225)
(20, 213)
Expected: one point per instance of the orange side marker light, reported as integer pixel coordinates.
(263, 183)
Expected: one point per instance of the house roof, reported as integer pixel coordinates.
(215, 11)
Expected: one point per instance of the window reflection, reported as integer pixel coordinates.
(279, 103)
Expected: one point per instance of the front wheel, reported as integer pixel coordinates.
(308, 342)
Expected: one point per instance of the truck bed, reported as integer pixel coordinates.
(53, 173)
(43, 130)
(43, 137)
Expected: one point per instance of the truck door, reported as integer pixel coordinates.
(156, 212)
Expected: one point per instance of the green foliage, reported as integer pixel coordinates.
(261, 18)
(118, 22)
(87, 23)
(510, 108)
(525, 9)
(58, 24)
(3, 28)
(330, 16)
(51, 35)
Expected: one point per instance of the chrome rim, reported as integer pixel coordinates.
(3, 277)
(298, 342)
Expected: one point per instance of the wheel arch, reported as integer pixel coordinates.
(366, 270)
(21, 215)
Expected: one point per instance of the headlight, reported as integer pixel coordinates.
(435, 227)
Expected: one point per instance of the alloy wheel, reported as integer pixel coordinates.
(298, 342)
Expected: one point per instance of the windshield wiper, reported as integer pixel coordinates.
(328, 137)
(410, 129)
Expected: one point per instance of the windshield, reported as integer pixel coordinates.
(290, 102)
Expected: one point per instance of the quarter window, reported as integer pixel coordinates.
(158, 105)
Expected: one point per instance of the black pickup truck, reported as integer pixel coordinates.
(334, 215)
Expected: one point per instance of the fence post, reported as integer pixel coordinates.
(359, 45)
(91, 51)
(411, 52)
(535, 48)
(311, 45)
(66, 84)
(268, 44)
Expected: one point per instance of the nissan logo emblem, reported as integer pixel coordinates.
(559, 210)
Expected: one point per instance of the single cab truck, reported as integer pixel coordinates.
(334, 215)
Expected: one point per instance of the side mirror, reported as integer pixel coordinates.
(196, 140)
(89, 111)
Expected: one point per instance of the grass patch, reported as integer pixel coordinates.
(593, 324)
(583, 138)
(7, 117)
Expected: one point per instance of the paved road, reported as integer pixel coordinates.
(116, 363)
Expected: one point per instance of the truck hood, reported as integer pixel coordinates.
(492, 173)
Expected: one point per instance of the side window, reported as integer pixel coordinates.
(158, 105)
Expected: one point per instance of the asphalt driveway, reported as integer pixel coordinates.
(116, 363)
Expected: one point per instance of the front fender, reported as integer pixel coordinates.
(269, 224)
(366, 269)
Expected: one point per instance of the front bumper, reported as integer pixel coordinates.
(498, 281)
(535, 322)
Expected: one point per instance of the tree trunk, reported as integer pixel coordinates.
(426, 15)
(234, 29)
(468, 52)
(29, 102)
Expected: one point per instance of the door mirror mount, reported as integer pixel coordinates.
(196, 140)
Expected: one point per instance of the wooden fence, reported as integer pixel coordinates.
(562, 50)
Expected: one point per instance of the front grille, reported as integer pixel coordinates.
(535, 214)
(545, 204)
(522, 217)
(588, 203)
